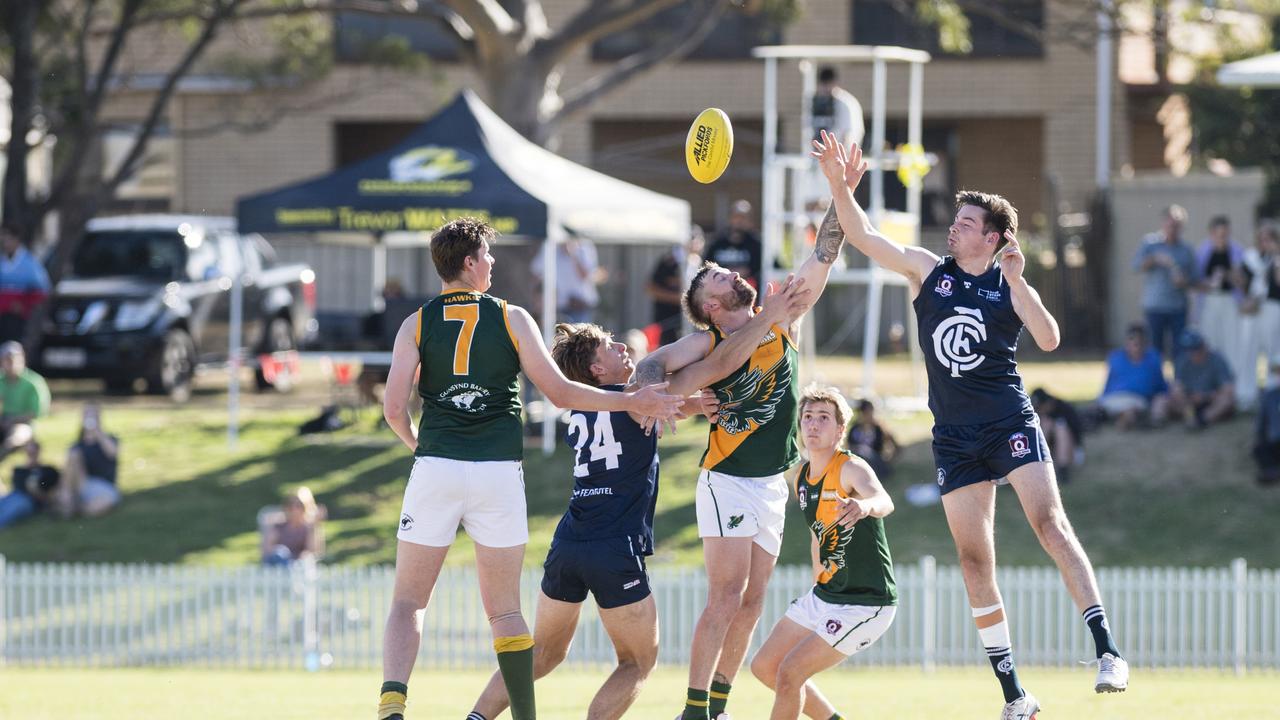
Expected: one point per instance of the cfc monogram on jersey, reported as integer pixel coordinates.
(755, 433)
(969, 333)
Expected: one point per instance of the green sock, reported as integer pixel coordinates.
(515, 661)
(719, 698)
(837, 716)
(391, 700)
(695, 707)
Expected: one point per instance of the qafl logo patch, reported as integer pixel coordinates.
(1019, 445)
(942, 477)
(802, 494)
(946, 285)
(955, 340)
(833, 626)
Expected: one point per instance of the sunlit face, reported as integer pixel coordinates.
(727, 289)
(1219, 234)
(481, 266)
(294, 508)
(966, 238)
(1171, 226)
(819, 426)
(1135, 345)
(613, 364)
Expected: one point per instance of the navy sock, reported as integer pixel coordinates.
(1096, 618)
(1002, 664)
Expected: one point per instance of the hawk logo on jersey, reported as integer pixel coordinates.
(833, 626)
(945, 286)
(735, 521)
(752, 400)
(406, 521)
(464, 397)
(1019, 445)
(832, 544)
(954, 340)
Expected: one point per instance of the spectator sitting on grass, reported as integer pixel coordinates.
(1136, 389)
(1063, 429)
(296, 535)
(90, 488)
(1203, 386)
(33, 488)
(24, 396)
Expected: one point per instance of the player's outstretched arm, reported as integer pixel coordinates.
(1026, 301)
(780, 307)
(651, 401)
(844, 170)
(404, 364)
(857, 478)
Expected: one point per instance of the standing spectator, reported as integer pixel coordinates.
(1064, 430)
(1268, 277)
(24, 396)
(298, 534)
(1203, 386)
(90, 486)
(837, 111)
(1218, 265)
(1257, 272)
(738, 248)
(578, 272)
(667, 283)
(1169, 270)
(23, 285)
(870, 440)
(1266, 445)
(1136, 388)
(33, 488)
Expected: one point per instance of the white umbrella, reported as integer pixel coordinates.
(1261, 71)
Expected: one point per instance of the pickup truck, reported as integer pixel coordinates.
(148, 297)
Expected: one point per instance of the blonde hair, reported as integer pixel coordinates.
(306, 499)
(816, 393)
(574, 350)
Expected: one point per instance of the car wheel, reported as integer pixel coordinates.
(174, 368)
(278, 339)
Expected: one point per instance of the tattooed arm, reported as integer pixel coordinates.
(815, 271)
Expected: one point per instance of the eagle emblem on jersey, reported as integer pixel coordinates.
(832, 543)
(751, 400)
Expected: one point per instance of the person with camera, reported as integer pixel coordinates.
(89, 485)
(33, 487)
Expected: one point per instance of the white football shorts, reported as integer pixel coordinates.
(847, 628)
(486, 498)
(732, 506)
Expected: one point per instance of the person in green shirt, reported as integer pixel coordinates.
(24, 396)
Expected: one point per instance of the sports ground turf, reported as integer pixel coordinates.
(968, 694)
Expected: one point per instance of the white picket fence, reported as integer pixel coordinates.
(308, 617)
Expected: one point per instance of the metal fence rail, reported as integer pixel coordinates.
(312, 617)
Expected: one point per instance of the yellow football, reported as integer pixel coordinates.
(709, 146)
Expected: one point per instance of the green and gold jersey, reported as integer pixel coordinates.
(468, 379)
(857, 567)
(755, 435)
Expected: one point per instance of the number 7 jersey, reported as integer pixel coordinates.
(469, 379)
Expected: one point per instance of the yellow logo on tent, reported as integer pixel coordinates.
(428, 163)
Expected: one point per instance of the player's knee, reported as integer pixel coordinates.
(547, 657)
(724, 600)
(752, 603)
(408, 609)
(1054, 529)
(764, 670)
(788, 678)
(974, 562)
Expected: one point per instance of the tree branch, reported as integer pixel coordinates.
(486, 18)
(597, 20)
(670, 49)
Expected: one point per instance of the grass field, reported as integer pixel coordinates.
(968, 694)
(1143, 498)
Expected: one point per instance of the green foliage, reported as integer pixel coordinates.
(953, 26)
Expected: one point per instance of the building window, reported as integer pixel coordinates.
(886, 22)
(152, 185)
(735, 35)
(357, 35)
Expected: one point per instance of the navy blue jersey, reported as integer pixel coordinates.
(615, 479)
(969, 334)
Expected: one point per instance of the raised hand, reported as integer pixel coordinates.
(831, 157)
(1012, 261)
(785, 301)
(710, 405)
(854, 168)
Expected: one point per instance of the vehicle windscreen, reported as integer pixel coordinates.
(153, 254)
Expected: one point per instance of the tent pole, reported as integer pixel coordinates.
(555, 236)
(875, 289)
(233, 355)
(379, 271)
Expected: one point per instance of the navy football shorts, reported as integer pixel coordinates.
(968, 454)
(612, 570)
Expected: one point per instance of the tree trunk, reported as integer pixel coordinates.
(519, 88)
(20, 21)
